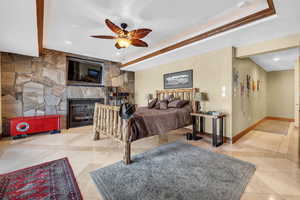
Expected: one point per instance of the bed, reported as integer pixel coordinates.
(145, 122)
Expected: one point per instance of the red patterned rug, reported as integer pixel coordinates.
(50, 180)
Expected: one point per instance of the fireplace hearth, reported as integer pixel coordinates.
(81, 111)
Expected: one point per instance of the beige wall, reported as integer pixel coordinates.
(297, 88)
(281, 94)
(248, 107)
(212, 74)
(287, 42)
(297, 94)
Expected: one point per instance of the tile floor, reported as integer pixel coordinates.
(276, 156)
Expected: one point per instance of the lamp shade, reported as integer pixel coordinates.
(149, 96)
(204, 96)
(201, 96)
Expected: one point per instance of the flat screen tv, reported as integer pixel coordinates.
(84, 72)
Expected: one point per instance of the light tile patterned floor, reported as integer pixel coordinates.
(276, 157)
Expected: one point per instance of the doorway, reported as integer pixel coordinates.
(266, 100)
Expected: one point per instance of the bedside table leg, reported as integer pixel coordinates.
(214, 136)
(195, 137)
(202, 124)
(221, 131)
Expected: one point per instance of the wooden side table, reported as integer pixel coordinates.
(217, 140)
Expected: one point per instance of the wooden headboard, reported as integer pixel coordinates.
(184, 94)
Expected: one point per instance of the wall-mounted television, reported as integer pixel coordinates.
(83, 72)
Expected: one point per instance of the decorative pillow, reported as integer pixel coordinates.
(170, 98)
(163, 105)
(152, 103)
(174, 104)
(177, 103)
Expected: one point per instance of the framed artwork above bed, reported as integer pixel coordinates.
(182, 79)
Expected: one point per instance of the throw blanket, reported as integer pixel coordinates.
(148, 122)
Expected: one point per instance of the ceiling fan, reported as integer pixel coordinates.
(125, 38)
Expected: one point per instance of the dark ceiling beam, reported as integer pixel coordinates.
(235, 24)
(271, 6)
(40, 24)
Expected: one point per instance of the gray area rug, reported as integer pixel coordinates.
(274, 126)
(176, 171)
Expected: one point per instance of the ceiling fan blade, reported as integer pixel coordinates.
(114, 28)
(138, 43)
(104, 36)
(139, 33)
(117, 46)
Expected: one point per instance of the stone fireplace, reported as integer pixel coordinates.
(81, 111)
(37, 86)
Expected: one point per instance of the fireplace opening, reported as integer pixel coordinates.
(81, 111)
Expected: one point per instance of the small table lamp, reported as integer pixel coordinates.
(204, 98)
(149, 97)
(197, 99)
(201, 97)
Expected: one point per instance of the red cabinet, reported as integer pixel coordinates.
(26, 125)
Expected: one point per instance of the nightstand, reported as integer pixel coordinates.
(217, 139)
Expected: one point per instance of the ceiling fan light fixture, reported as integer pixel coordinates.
(124, 42)
(123, 37)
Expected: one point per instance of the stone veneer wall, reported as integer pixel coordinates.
(37, 86)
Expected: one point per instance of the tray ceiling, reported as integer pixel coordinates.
(284, 23)
(69, 23)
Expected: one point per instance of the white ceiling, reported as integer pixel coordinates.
(18, 27)
(69, 23)
(277, 61)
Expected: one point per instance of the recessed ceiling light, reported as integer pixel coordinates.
(75, 26)
(68, 42)
(276, 59)
(243, 4)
